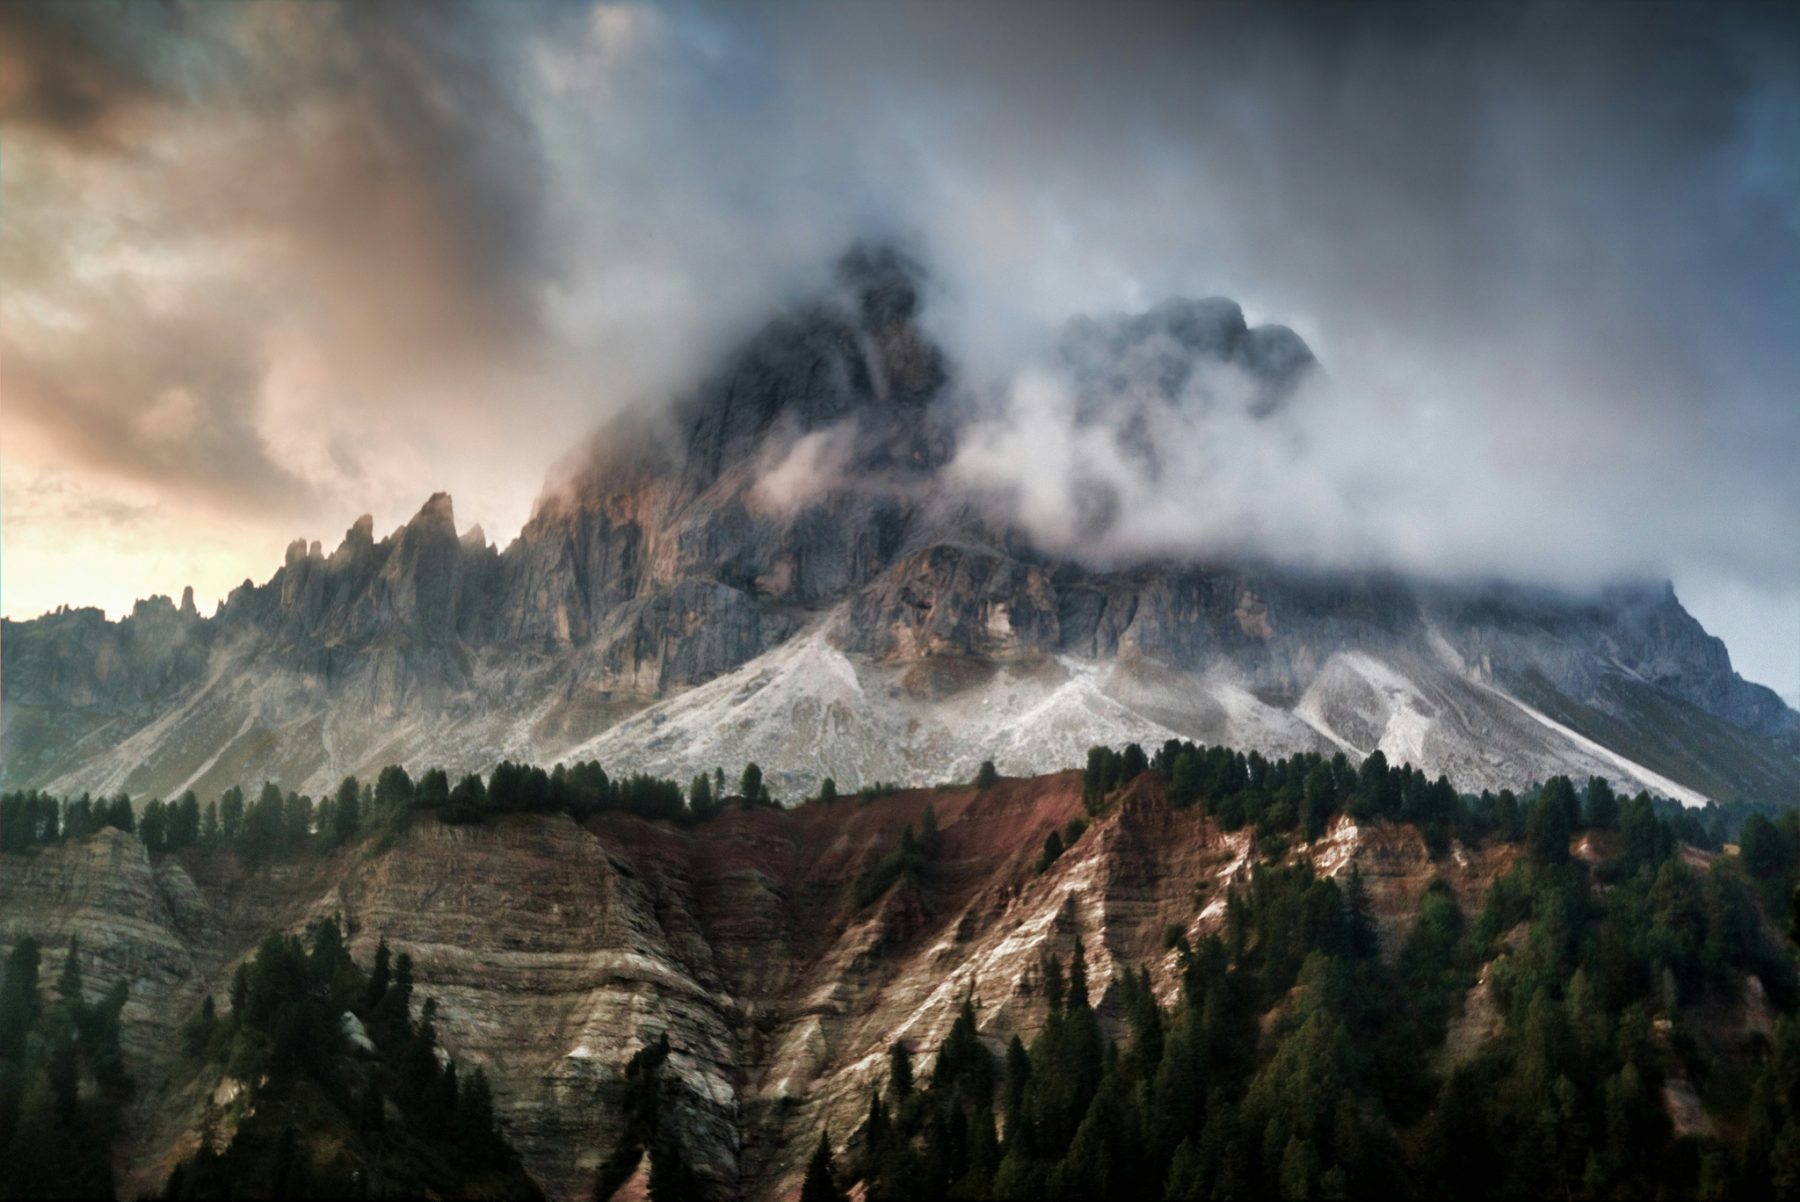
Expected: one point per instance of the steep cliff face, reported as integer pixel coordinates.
(557, 951)
(796, 493)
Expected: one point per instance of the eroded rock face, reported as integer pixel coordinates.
(798, 487)
(556, 951)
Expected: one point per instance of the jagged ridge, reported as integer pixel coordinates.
(795, 494)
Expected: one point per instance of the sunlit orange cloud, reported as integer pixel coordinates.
(96, 544)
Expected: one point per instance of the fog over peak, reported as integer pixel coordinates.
(272, 266)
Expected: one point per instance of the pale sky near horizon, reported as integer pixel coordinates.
(273, 265)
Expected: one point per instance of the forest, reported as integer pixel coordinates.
(1297, 1058)
(350, 1096)
(1298, 1062)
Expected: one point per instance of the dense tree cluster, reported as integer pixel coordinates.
(279, 825)
(1057, 842)
(62, 1080)
(911, 859)
(327, 1117)
(1300, 795)
(31, 818)
(1300, 1062)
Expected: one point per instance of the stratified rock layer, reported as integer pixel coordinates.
(556, 951)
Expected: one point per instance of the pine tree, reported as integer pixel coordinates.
(900, 1074)
(1018, 1080)
(475, 1112)
(19, 1003)
(184, 821)
(820, 1184)
(346, 817)
(231, 814)
(379, 976)
(875, 1128)
(151, 827)
(1078, 984)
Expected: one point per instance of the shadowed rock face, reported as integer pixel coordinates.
(796, 489)
(556, 951)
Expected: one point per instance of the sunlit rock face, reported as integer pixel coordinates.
(799, 496)
(555, 951)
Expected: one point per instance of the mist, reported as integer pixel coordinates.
(272, 266)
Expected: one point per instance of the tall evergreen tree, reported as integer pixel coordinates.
(900, 1073)
(820, 1184)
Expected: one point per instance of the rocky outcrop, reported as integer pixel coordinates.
(797, 489)
(556, 951)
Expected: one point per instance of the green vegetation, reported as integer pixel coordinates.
(1298, 1059)
(62, 1080)
(1299, 1062)
(911, 860)
(329, 1114)
(1057, 842)
(283, 826)
(820, 1183)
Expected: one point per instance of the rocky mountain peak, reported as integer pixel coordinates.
(1171, 353)
(437, 515)
(777, 541)
(884, 280)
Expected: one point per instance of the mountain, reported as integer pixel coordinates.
(781, 954)
(778, 567)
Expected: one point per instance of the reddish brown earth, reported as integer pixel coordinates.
(557, 950)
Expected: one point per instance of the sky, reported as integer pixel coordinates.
(266, 267)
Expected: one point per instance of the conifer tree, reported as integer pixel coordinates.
(19, 996)
(820, 1184)
(346, 817)
(379, 976)
(900, 1074)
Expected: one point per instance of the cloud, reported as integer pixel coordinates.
(799, 474)
(307, 260)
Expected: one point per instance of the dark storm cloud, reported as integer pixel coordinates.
(1548, 254)
(74, 69)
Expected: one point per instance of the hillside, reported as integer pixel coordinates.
(782, 953)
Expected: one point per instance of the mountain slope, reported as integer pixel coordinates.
(798, 494)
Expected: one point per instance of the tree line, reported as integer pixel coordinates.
(282, 824)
